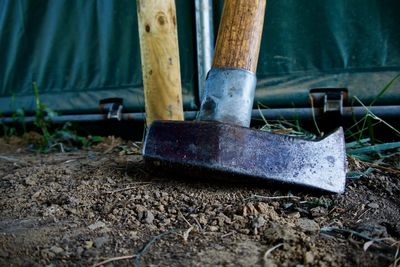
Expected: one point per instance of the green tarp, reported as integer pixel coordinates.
(79, 52)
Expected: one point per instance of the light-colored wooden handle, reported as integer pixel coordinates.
(160, 60)
(239, 34)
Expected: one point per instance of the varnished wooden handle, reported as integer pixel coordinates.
(160, 60)
(239, 34)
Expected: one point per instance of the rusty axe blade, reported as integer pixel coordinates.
(225, 148)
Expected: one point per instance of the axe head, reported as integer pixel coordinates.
(235, 151)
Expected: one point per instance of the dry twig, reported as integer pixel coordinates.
(227, 234)
(186, 234)
(272, 197)
(147, 246)
(198, 224)
(114, 259)
(137, 256)
(186, 221)
(269, 251)
(9, 159)
(127, 188)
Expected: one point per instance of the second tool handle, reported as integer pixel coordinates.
(239, 34)
(160, 60)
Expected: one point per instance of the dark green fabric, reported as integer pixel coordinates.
(79, 52)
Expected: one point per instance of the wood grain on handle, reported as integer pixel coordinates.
(160, 60)
(239, 34)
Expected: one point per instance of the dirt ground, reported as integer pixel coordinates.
(99, 206)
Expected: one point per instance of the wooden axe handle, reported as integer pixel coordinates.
(239, 34)
(160, 60)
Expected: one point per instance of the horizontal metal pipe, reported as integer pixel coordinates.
(269, 114)
(380, 111)
(307, 113)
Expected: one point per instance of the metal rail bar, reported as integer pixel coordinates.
(269, 114)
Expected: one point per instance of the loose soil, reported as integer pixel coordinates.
(100, 206)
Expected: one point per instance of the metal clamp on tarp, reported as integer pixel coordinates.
(113, 107)
(331, 100)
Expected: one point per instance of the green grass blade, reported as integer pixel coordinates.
(376, 117)
(375, 148)
(357, 143)
(384, 89)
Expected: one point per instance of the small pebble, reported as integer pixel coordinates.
(307, 225)
(308, 258)
(149, 217)
(258, 222)
(318, 211)
(98, 224)
(30, 181)
(56, 250)
(79, 251)
(295, 214)
(100, 241)
(373, 205)
(213, 228)
(88, 244)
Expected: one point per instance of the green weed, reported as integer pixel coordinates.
(52, 136)
(43, 117)
(7, 130)
(367, 146)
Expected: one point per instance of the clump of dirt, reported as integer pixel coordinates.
(100, 206)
